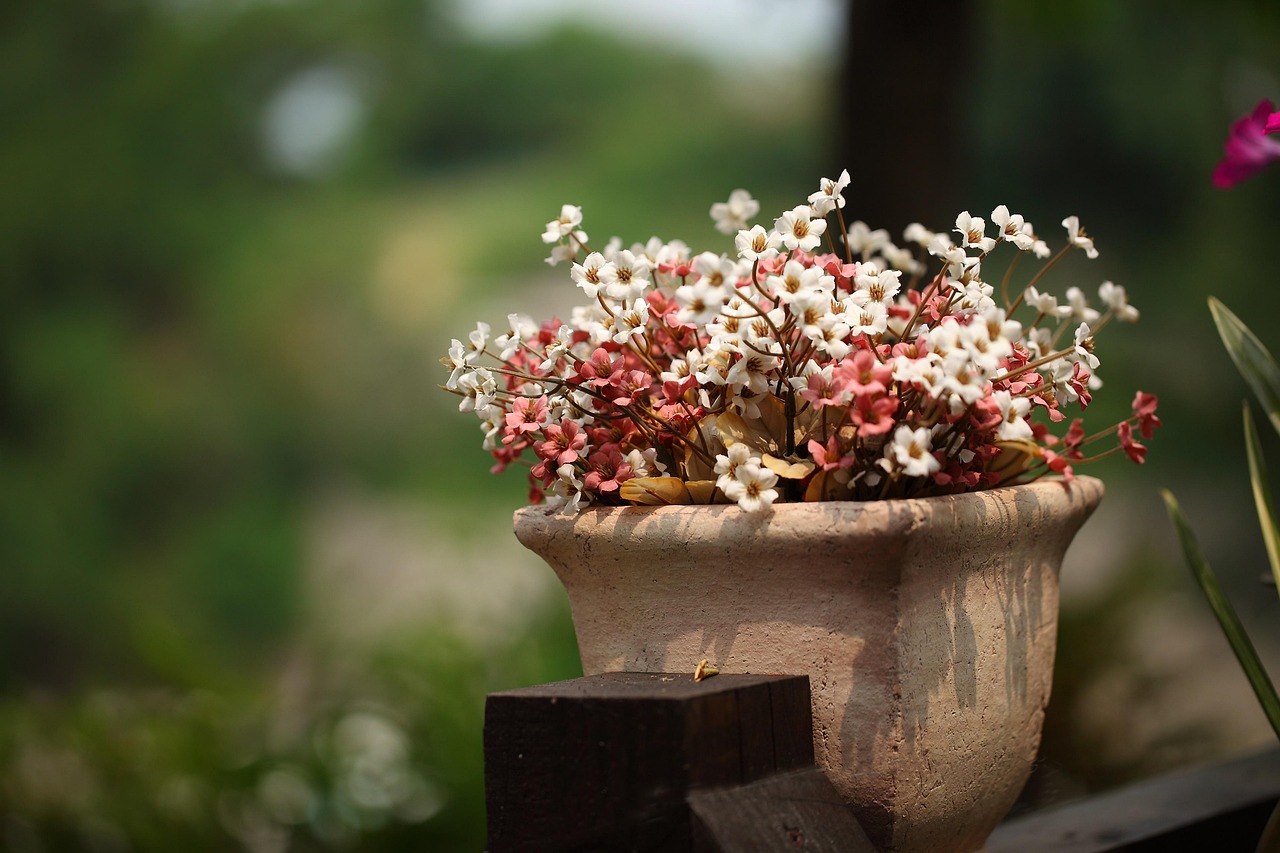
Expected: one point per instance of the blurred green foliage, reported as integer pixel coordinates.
(199, 345)
(196, 350)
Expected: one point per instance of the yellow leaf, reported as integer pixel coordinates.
(655, 491)
(701, 491)
(788, 469)
(704, 670)
(1015, 457)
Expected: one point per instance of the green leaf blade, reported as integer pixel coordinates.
(1262, 499)
(1226, 614)
(1252, 359)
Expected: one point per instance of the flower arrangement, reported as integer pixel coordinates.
(820, 361)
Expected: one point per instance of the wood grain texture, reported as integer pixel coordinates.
(796, 811)
(1220, 807)
(607, 761)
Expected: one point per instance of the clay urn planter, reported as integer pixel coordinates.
(927, 628)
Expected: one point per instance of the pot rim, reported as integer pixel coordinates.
(1090, 491)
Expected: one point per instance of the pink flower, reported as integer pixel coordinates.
(825, 389)
(1247, 150)
(1079, 383)
(601, 369)
(828, 458)
(864, 374)
(564, 443)
(527, 415)
(1132, 449)
(874, 416)
(1144, 408)
(632, 386)
(608, 471)
(1073, 439)
(1058, 464)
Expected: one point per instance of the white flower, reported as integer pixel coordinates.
(879, 285)
(558, 346)
(911, 452)
(1080, 309)
(681, 368)
(480, 389)
(830, 194)
(587, 274)
(716, 269)
(1118, 301)
(901, 258)
(1077, 236)
(796, 279)
(799, 230)
(522, 327)
(918, 234)
(644, 463)
(972, 231)
(459, 359)
(566, 492)
(492, 421)
(751, 487)
(674, 252)
(734, 214)
(757, 244)
(727, 463)
(630, 322)
(700, 302)
(954, 256)
(626, 277)
(1046, 303)
(752, 371)
(1009, 224)
(1083, 350)
(1013, 413)
(565, 251)
(871, 319)
(565, 224)
(864, 242)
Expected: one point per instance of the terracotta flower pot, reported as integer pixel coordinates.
(927, 628)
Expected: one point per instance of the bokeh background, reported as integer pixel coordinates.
(255, 581)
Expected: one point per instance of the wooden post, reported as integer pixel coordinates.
(609, 761)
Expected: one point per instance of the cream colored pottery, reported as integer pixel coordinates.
(927, 629)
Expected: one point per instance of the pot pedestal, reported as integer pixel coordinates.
(927, 629)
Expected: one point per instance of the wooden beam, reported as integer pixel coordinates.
(800, 810)
(1220, 807)
(607, 762)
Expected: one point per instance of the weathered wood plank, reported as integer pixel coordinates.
(606, 762)
(799, 810)
(1220, 807)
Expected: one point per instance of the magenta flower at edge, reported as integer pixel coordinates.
(1248, 150)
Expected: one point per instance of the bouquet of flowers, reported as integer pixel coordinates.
(819, 361)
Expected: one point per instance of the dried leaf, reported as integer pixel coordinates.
(655, 491)
(704, 670)
(701, 491)
(791, 468)
(1016, 455)
(814, 491)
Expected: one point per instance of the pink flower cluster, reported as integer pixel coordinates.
(822, 361)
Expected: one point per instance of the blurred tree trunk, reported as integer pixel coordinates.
(901, 121)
